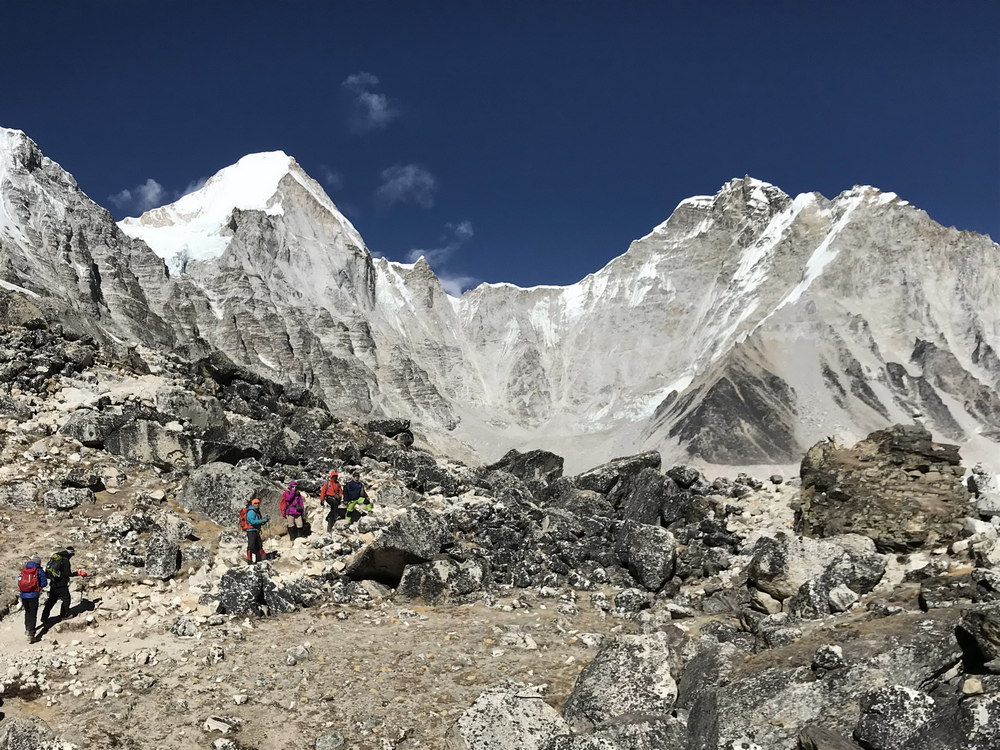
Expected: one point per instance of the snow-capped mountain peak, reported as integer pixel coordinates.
(196, 226)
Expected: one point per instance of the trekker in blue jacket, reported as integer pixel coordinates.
(30, 583)
(254, 522)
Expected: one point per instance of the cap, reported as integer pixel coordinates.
(292, 483)
(255, 501)
(334, 474)
(36, 559)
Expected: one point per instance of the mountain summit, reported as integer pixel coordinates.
(739, 331)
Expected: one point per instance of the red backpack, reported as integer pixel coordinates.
(27, 583)
(244, 523)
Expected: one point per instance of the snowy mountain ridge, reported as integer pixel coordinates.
(741, 329)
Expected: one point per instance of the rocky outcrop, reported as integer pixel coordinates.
(219, 491)
(898, 487)
(507, 717)
(629, 677)
(413, 537)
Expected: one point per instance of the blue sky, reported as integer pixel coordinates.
(519, 141)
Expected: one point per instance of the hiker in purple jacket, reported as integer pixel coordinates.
(293, 508)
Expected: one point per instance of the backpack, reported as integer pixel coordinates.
(244, 523)
(28, 582)
(52, 567)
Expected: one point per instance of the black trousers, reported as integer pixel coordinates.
(255, 550)
(56, 595)
(30, 615)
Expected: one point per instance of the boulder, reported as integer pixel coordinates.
(684, 476)
(148, 442)
(11, 408)
(67, 498)
(603, 478)
(897, 487)
(439, 581)
(92, 428)
(892, 717)
(539, 466)
(258, 590)
(818, 738)
(629, 676)
(646, 496)
(29, 733)
(509, 716)
(201, 412)
(18, 495)
(979, 633)
(414, 536)
(163, 556)
(786, 566)
(666, 734)
(388, 427)
(220, 490)
(649, 553)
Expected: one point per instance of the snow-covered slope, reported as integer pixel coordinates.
(740, 330)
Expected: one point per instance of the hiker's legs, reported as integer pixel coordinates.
(254, 547)
(30, 616)
(60, 595)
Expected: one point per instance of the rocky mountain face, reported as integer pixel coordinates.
(738, 332)
(631, 606)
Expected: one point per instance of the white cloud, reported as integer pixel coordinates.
(193, 186)
(150, 194)
(408, 183)
(372, 110)
(456, 236)
(457, 283)
(331, 178)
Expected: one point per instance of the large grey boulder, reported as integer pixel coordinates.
(649, 553)
(67, 498)
(148, 442)
(220, 490)
(979, 632)
(11, 408)
(630, 675)
(30, 733)
(163, 556)
(415, 536)
(603, 478)
(202, 412)
(665, 734)
(258, 590)
(92, 428)
(892, 717)
(509, 716)
(18, 495)
(786, 566)
(439, 581)
(538, 465)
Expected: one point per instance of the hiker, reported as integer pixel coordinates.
(30, 583)
(331, 495)
(356, 498)
(58, 573)
(251, 522)
(293, 508)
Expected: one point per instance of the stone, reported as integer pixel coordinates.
(185, 627)
(67, 498)
(684, 476)
(649, 552)
(217, 724)
(296, 654)
(979, 633)
(764, 602)
(220, 490)
(783, 565)
(891, 717)
(883, 487)
(828, 657)
(538, 465)
(415, 536)
(92, 428)
(29, 733)
(602, 479)
(629, 675)
(331, 740)
(972, 686)
(163, 556)
(819, 738)
(509, 716)
(18, 495)
(632, 600)
(842, 598)
(149, 442)
(440, 581)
